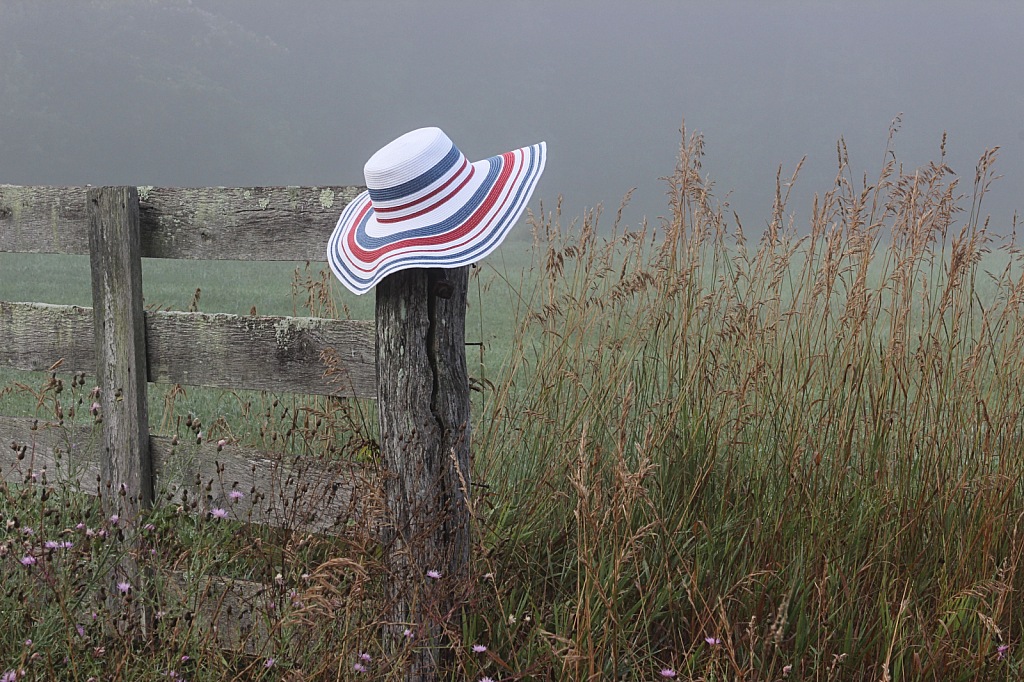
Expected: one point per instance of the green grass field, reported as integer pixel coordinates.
(702, 458)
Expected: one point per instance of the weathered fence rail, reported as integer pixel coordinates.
(424, 407)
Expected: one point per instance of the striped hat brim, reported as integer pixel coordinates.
(366, 246)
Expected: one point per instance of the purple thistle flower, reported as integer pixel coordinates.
(668, 672)
(80, 526)
(218, 513)
(124, 587)
(1001, 650)
(28, 560)
(486, 679)
(9, 676)
(270, 663)
(479, 648)
(713, 641)
(407, 632)
(433, 574)
(149, 526)
(114, 519)
(236, 494)
(81, 630)
(359, 668)
(365, 657)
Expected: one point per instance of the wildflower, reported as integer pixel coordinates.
(114, 519)
(236, 494)
(184, 658)
(80, 526)
(713, 641)
(149, 526)
(479, 648)
(1001, 650)
(53, 544)
(786, 670)
(221, 443)
(668, 672)
(359, 668)
(95, 409)
(28, 642)
(28, 560)
(124, 587)
(365, 657)
(407, 633)
(81, 630)
(270, 663)
(486, 679)
(218, 513)
(488, 576)
(89, 532)
(433, 574)
(28, 531)
(9, 676)
(511, 619)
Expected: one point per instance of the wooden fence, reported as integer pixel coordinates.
(125, 347)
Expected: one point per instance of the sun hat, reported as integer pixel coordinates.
(427, 206)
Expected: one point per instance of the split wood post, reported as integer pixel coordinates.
(126, 468)
(424, 407)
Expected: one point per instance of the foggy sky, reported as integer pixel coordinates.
(240, 93)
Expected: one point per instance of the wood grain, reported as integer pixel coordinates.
(423, 404)
(204, 223)
(280, 354)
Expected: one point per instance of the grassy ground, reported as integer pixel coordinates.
(702, 458)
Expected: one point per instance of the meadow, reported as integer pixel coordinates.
(699, 456)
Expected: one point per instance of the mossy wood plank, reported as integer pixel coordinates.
(205, 223)
(284, 491)
(280, 354)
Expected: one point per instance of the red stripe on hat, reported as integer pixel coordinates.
(430, 208)
(424, 198)
(449, 237)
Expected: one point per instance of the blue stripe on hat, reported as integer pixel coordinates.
(419, 182)
(369, 243)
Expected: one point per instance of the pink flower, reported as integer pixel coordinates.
(359, 668)
(365, 657)
(407, 633)
(80, 526)
(81, 630)
(486, 679)
(236, 494)
(786, 670)
(28, 560)
(9, 676)
(270, 663)
(218, 513)
(713, 641)
(668, 672)
(1001, 650)
(124, 587)
(433, 574)
(479, 648)
(221, 443)
(149, 526)
(114, 519)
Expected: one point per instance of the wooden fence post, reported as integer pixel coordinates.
(126, 468)
(424, 407)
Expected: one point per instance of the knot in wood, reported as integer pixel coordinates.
(444, 288)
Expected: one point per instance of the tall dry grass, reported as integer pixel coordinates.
(799, 457)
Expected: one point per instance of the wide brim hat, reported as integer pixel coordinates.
(427, 206)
